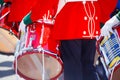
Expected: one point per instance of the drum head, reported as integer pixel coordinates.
(7, 41)
(30, 65)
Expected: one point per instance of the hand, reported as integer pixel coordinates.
(22, 26)
(47, 18)
(108, 27)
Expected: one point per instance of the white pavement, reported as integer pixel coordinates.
(6, 70)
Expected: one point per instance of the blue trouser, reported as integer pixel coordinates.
(118, 5)
(78, 59)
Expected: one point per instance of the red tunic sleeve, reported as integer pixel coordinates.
(107, 7)
(42, 8)
(19, 9)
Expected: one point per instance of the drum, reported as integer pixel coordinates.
(34, 60)
(7, 41)
(8, 35)
(109, 49)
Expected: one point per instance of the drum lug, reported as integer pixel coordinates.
(11, 32)
(30, 43)
(40, 48)
(56, 55)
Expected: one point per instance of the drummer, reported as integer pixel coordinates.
(18, 9)
(72, 34)
(76, 28)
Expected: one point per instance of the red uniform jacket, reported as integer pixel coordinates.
(77, 20)
(19, 9)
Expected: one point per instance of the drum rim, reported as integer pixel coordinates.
(31, 52)
(116, 67)
(8, 28)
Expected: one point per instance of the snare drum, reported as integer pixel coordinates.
(8, 35)
(109, 49)
(35, 61)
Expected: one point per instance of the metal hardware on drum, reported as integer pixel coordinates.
(11, 31)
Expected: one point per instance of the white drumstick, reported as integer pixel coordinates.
(4, 15)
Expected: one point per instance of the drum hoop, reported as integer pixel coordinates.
(27, 78)
(116, 67)
(7, 29)
(36, 51)
(31, 52)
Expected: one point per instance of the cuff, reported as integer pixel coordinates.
(1, 2)
(27, 20)
(118, 16)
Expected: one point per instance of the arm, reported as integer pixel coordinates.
(25, 21)
(118, 16)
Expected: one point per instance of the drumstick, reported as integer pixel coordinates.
(47, 21)
(4, 15)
